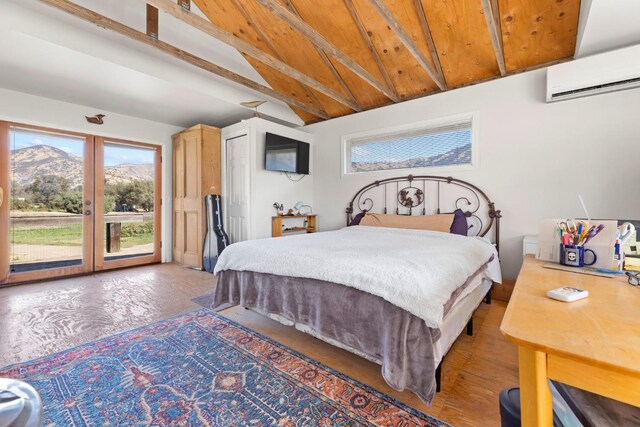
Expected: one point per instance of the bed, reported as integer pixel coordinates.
(398, 297)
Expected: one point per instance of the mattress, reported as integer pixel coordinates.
(457, 318)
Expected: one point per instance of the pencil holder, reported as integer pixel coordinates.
(573, 256)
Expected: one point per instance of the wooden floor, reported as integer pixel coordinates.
(39, 319)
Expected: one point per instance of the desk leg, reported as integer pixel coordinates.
(535, 395)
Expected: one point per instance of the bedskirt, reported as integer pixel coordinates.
(399, 341)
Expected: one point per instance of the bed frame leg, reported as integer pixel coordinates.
(487, 298)
(438, 377)
(470, 327)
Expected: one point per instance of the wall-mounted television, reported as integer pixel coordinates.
(284, 154)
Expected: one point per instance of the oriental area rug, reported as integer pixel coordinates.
(202, 369)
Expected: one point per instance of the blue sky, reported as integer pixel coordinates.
(114, 154)
(405, 148)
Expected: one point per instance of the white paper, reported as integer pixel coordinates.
(549, 240)
(603, 244)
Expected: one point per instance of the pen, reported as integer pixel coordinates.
(604, 270)
(594, 233)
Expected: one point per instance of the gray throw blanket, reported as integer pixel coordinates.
(398, 340)
(416, 270)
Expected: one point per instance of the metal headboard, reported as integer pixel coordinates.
(413, 193)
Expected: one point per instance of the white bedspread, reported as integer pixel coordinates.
(415, 270)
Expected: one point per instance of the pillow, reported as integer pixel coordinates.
(441, 222)
(356, 219)
(459, 225)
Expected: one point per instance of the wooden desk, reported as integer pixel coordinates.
(592, 344)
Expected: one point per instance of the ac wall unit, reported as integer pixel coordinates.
(593, 75)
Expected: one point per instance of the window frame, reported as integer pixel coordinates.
(346, 140)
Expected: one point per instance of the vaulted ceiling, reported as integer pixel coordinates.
(329, 58)
(405, 48)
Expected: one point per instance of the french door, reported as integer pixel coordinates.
(127, 208)
(72, 203)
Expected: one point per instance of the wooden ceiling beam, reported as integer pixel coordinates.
(248, 49)
(427, 35)
(264, 37)
(369, 43)
(109, 24)
(490, 11)
(339, 78)
(152, 22)
(406, 40)
(319, 41)
(326, 60)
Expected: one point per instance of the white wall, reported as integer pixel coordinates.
(268, 187)
(34, 110)
(39, 42)
(534, 157)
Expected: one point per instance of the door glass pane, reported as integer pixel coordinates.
(129, 194)
(47, 173)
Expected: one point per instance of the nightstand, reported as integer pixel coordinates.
(277, 224)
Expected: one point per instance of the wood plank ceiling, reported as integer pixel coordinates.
(329, 58)
(407, 46)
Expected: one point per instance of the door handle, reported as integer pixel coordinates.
(1, 196)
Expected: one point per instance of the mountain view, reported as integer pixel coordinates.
(39, 160)
(457, 156)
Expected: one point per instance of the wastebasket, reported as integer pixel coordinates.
(20, 404)
(510, 409)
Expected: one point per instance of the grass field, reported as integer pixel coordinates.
(67, 235)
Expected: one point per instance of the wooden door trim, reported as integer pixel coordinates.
(80, 134)
(5, 165)
(45, 273)
(157, 206)
(88, 257)
(98, 208)
(129, 142)
(48, 129)
(100, 262)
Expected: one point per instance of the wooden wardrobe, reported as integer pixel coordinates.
(196, 173)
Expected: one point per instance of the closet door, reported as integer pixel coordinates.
(238, 188)
(187, 199)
